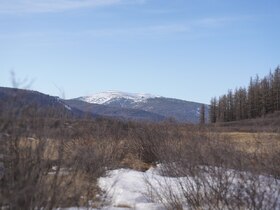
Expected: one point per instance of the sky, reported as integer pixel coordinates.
(187, 49)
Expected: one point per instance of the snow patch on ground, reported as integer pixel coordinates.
(129, 189)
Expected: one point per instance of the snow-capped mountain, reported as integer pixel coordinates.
(109, 97)
(155, 107)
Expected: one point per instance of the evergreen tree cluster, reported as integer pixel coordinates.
(262, 96)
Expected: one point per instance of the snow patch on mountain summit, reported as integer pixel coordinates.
(108, 96)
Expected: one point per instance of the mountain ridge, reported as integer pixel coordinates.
(177, 109)
(120, 105)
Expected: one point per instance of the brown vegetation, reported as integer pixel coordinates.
(55, 162)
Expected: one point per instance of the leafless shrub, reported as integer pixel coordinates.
(210, 173)
(44, 165)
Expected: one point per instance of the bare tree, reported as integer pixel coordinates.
(202, 115)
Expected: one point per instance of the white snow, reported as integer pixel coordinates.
(125, 187)
(198, 111)
(107, 96)
(67, 107)
(129, 189)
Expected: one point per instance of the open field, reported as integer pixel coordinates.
(262, 142)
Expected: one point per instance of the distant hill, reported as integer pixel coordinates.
(19, 101)
(111, 104)
(115, 112)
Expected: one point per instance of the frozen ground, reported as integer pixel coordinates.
(129, 189)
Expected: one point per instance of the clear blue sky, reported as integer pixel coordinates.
(187, 49)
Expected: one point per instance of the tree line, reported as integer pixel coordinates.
(261, 97)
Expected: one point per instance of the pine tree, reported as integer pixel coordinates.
(222, 112)
(276, 89)
(202, 115)
(251, 98)
(230, 106)
(213, 110)
(264, 94)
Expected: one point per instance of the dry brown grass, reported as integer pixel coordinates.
(88, 148)
(267, 143)
(130, 161)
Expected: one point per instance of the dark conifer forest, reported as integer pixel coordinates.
(261, 97)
